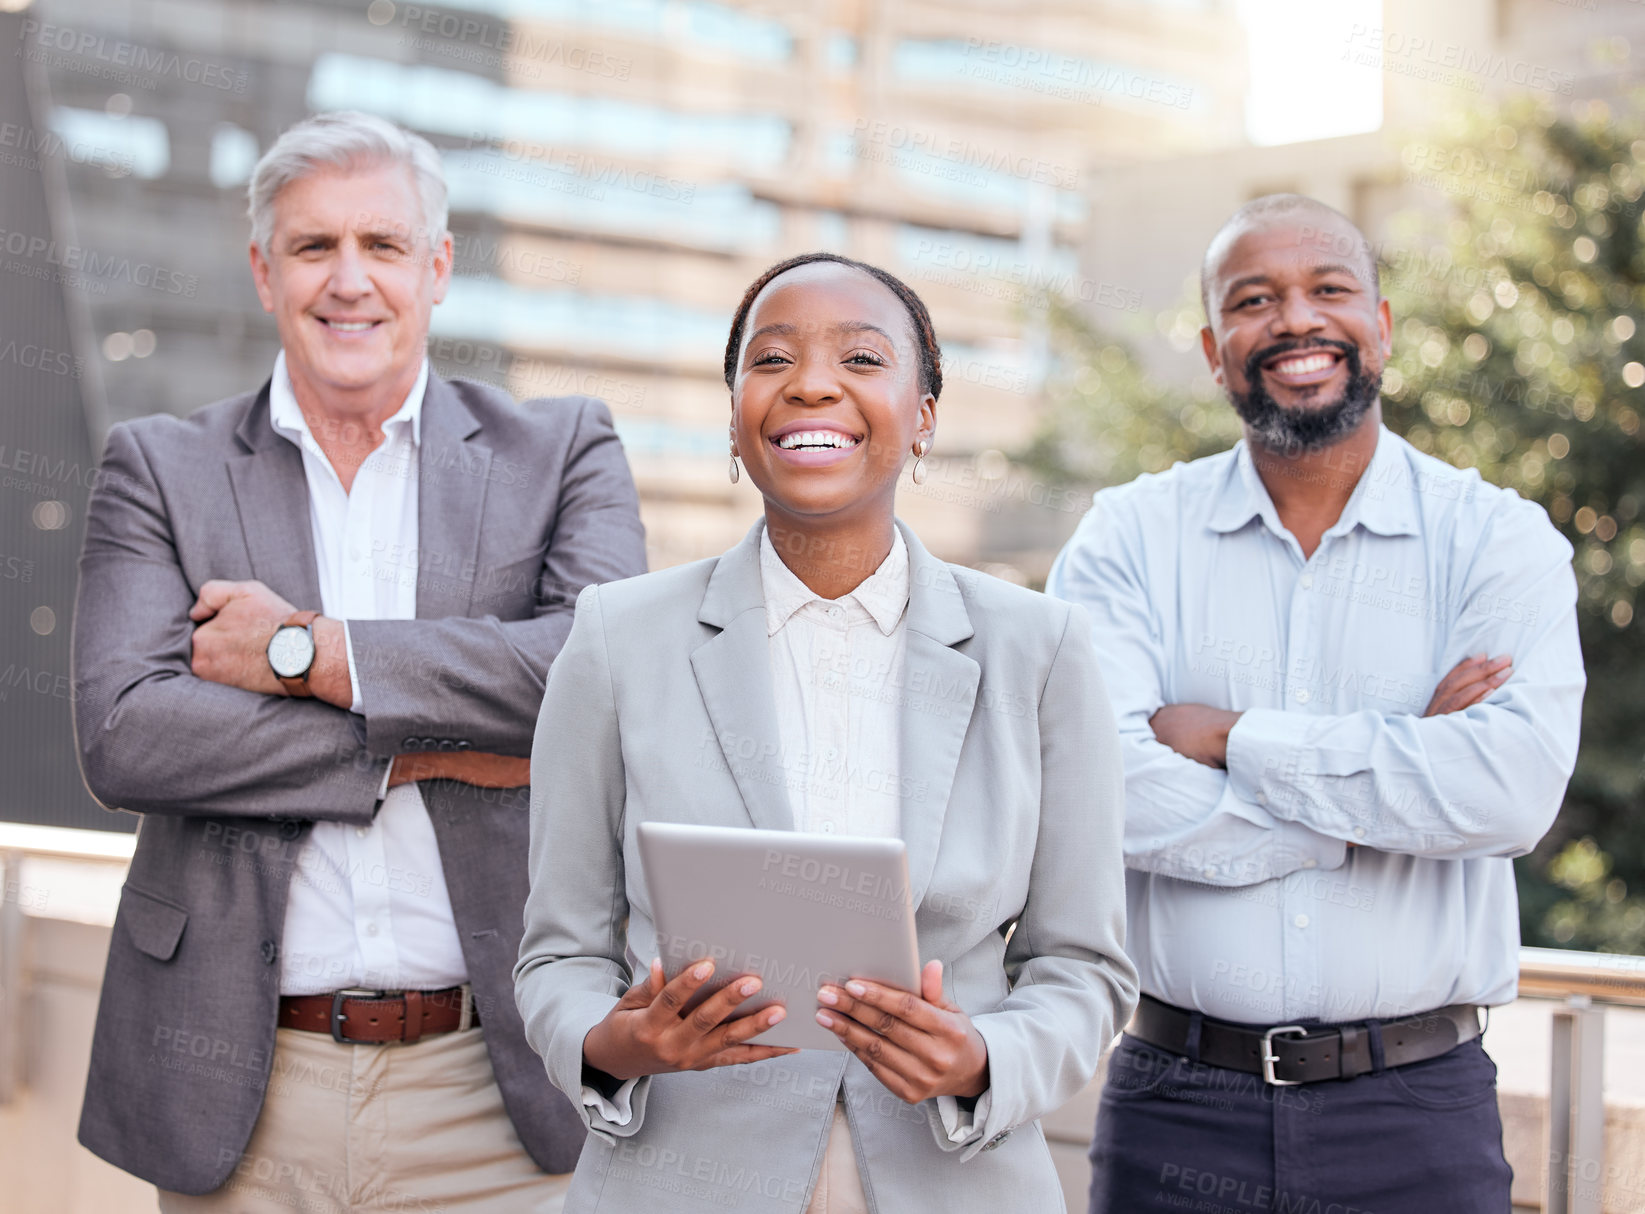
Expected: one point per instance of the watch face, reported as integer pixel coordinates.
(291, 652)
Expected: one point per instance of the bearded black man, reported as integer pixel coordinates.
(1348, 686)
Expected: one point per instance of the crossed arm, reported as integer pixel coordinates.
(177, 712)
(1227, 798)
(1200, 732)
(234, 624)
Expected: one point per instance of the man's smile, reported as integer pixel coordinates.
(1300, 368)
(343, 327)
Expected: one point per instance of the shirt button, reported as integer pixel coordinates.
(827, 828)
(835, 613)
(1307, 582)
(1208, 871)
(1302, 695)
(1359, 832)
(1262, 798)
(1310, 862)
(270, 951)
(371, 928)
(1301, 921)
(361, 831)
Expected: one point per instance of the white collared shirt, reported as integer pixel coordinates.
(1244, 900)
(368, 904)
(836, 666)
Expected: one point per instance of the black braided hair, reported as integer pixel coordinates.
(930, 352)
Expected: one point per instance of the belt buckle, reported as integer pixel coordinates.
(337, 1012)
(1269, 1058)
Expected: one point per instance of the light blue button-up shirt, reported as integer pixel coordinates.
(1246, 900)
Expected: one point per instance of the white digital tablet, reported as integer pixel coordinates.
(798, 910)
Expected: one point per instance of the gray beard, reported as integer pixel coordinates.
(1294, 431)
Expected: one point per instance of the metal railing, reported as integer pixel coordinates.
(18, 842)
(1585, 983)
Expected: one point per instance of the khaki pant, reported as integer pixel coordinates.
(839, 1186)
(415, 1129)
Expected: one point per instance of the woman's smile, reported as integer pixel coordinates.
(815, 443)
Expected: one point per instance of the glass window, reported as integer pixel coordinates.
(988, 265)
(717, 27)
(468, 106)
(634, 327)
(1048, 73)
(833, 232)
(233, 155)
(841, 52)
(595, 194)
(141, 144)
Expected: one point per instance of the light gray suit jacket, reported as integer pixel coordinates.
(520, 506)
(660, 707)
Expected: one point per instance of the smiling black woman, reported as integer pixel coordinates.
(829, 675)
(836, 382)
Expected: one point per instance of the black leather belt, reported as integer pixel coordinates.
(1290, 1054)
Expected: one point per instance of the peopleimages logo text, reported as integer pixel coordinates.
(106, 267)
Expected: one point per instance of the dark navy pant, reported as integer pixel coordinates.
(1173, 1134)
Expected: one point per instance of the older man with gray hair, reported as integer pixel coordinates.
(312, 634)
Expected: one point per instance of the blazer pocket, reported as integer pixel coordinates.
(155, 925)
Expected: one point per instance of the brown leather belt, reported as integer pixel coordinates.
(1290, 1054)
(358, 1017)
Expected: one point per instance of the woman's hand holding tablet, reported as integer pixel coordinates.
(918, 1046)
(645, 1034)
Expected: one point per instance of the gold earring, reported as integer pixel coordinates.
(918, 475)
(736, 472)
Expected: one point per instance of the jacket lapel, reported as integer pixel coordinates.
(452, 475)
(271, 497)
(733, 671)
(939, 693)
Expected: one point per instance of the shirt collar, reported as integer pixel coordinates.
(289, 422)
(883, 593)
(1383, 501)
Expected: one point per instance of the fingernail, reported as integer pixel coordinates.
(857, 989)
(827, 996)
(775, 1016)
(703, 970)
(749, 987)
(824, 1019)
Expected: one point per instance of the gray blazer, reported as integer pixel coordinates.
(660, 707)
(520, 507)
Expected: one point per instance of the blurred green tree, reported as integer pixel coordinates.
(1516, 351)
(1107, 420)
(1519, 351)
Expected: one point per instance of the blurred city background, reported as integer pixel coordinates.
(1045, 173)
